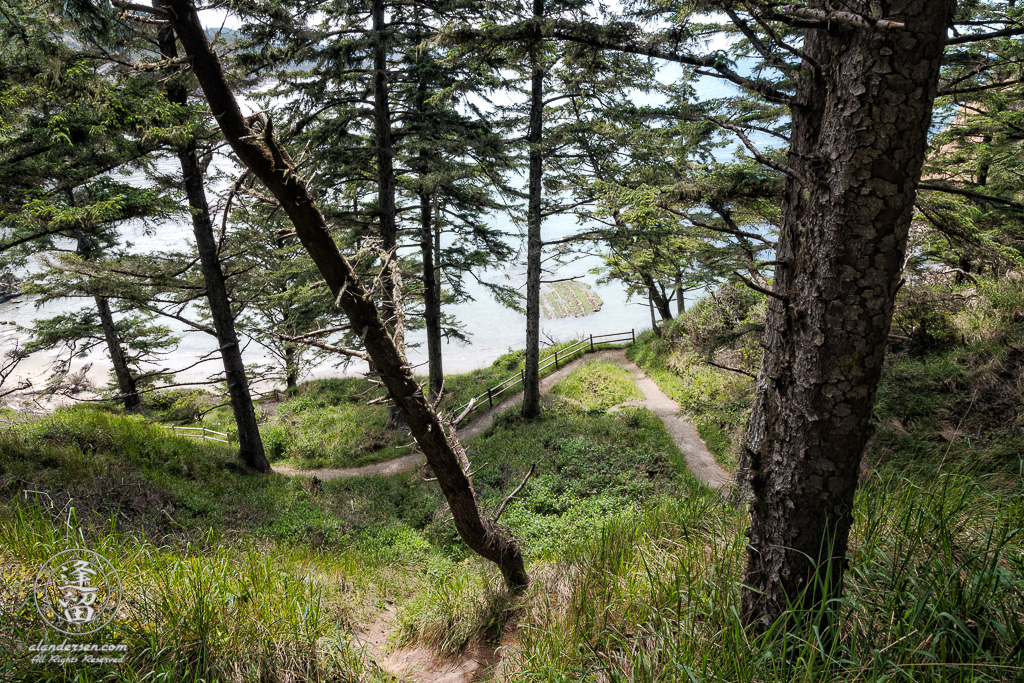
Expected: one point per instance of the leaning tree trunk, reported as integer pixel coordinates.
(125, 380)
(531, 374)
(249, 441)
(260, 151)
(859, 131)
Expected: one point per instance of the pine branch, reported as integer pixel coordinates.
(978, 88)
(802, 16)
(781, 168)
(759, 288)
(341, 350)
(976, 37)
(964, 192)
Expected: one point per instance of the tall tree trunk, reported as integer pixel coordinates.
(431, 291)
(654, 319)
(431, 301)
(125, 380)
(985, 163)
(657, 297)
(385, 185)
(531, 375)
(859, 128)
(249, 442)
(291, 367)
(265, 157)
(680, 295)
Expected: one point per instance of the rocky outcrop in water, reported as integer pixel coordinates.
(8, 287)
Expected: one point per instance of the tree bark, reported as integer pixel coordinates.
(859, 131)
(531, 374)
(657, 297)
(249, 442)
(262, 154)
(431, 290)
(125, 380)
(291, 367)
(654, 319)
(680, 295)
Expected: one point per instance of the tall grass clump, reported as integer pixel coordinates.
(934, 592)
(230, 612)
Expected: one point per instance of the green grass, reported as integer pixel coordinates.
(327, 422)
(635, 567)
(460, 388)
(229, 611)
(599, 386)
(183, 519)
(959, 410)
(935, 592)
(716, 401)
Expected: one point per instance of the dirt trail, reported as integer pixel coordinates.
(698, 459)
(472, 428)
(479, 661)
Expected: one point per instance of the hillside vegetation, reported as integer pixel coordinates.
(635, 566)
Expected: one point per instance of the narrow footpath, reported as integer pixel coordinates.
(480, 661)
(699, 459)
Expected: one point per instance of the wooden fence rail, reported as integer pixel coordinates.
(204, 433)
(560, 357)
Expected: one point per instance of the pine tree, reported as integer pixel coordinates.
(860, 103)
(250, 444)
(561, 88)
(68, 121)
(377, 113)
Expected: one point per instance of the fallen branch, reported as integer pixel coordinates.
(513, 494)
(726, 367)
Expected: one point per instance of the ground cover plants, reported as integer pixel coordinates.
(347, 545)
(635, 566)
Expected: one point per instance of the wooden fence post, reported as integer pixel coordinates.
(490, 401)
(591, 343)
(632, 333)
(556, 359)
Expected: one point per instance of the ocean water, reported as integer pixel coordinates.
(492, 328)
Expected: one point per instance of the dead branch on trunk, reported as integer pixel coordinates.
(515, 492)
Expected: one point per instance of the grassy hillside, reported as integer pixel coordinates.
(198, 535)
(327, 423)
(635, 566)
